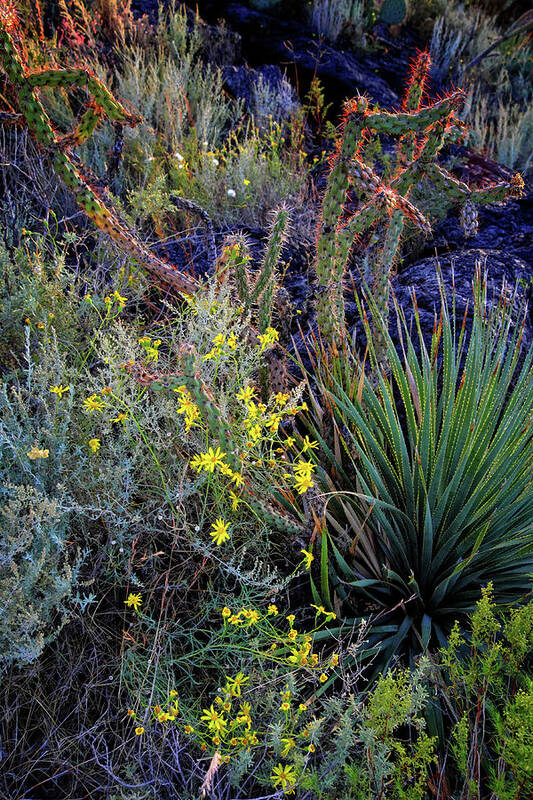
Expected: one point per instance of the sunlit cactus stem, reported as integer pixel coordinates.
(385, 206)
(25, 84)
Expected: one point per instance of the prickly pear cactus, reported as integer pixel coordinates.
(394, 12)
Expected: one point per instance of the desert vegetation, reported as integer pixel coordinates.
(266, 403)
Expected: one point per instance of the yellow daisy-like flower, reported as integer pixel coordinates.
(121, 417)
(120, 300)
(285, 777)
(95, 445)
(323, 678)
(302, 483)
(220, 534)
(308, 558)
(36, 452)
(246, 395)
(134, 601)
(212, 459)
(215, 720)
(308, 444)
(59, 390)
(234, 500)
(272, 610)
(237, 479)
(196, 462)
(226, 612)
(93, 403)
(139, 731)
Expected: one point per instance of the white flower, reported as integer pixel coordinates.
(215, 161)
(178, 156)
(231, 193)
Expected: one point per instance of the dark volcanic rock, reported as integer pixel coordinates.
(266, 39)
(458, 270)
(248, 84)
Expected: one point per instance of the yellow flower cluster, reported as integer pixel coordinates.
(188, 408)
(222, 346)
(37, 452)
(214, 459)
(226, 726)
(267, 339)
(151, 347)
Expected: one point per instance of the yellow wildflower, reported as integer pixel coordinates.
(139, 730)
(93, 403)
(94, 444)
(236, 683)
(234, 499)
(308, 444)
(120, 300)
(219, 533)
(121, 417)
(284, 776)
(308, 558)
(288, 743)
(302, 483)
(237, 479)
(59, 390)
(211, 459)
(35, 453)
(323, 678)
(226, 612)
(272, 610)
(246, 394)
(134, 601)
(215, 720)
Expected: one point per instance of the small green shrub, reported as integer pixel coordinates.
(38, 568)
(487, 693)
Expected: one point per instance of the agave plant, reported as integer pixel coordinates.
(431, 468)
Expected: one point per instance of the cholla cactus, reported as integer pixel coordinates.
(422, 131)
(25, 85)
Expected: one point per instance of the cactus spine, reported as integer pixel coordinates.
(422, 132)
(102, 104)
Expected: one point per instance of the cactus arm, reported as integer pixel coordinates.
(403, 122)
(329, 262)
(460, 191)
(381, 271)
(412, 102)
(68, 78)
(263, 291)
(41, 128)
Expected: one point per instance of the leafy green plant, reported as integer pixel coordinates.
(487, 694)
(431, 476)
